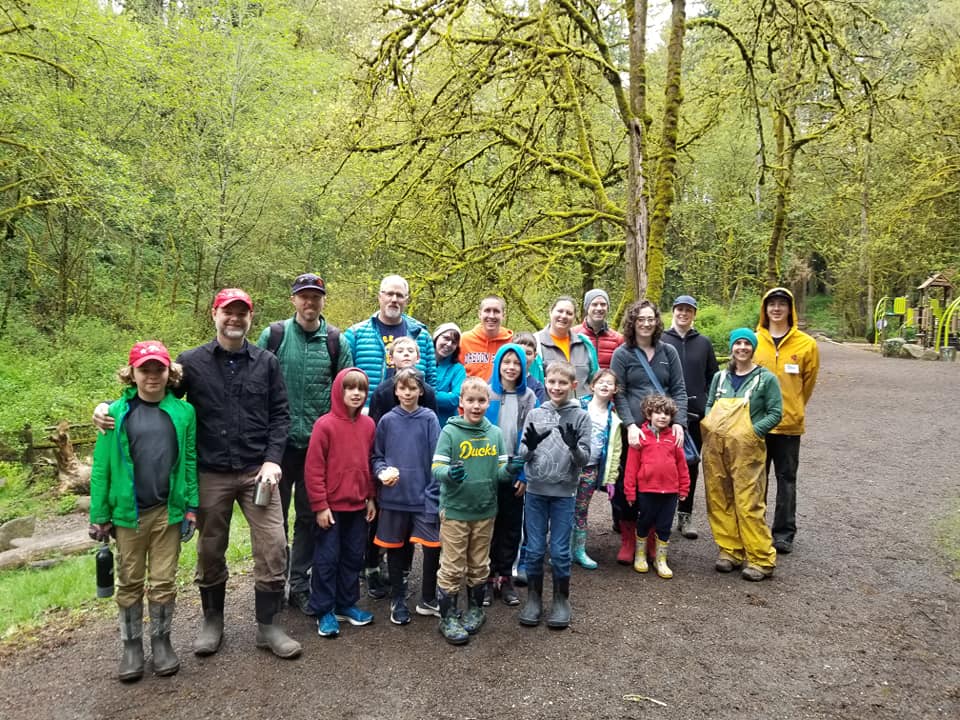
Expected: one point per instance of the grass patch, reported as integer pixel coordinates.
(30, 492)
(948, 533)
(31, 598)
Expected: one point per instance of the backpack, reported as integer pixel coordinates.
(333, 341)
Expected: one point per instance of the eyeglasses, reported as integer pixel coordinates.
(393, 295)
(646, 321)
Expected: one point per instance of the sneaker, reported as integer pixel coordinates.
(300, 599)
(376, 588)
(507, 592)
(754, 573)
(428, 607)
(399, 612)
(327, 626)
(355, 616)
(686, 526)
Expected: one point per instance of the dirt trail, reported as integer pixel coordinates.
(861, 621)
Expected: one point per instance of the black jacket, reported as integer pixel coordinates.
(241, 404)
(699, 363)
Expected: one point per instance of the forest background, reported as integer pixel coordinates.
(152, 151)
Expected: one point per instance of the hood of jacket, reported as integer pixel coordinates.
(495, 383)
(337, 406)
(765, 321)
(691, 333)
(464, 425)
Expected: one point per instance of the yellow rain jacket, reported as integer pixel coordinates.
(795, 362)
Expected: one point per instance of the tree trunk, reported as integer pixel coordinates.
(783, 177)
(636, 204)
(664, 186)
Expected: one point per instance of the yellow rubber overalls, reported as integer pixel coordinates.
(734, 470)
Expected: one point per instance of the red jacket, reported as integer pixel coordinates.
(606, 342)
(658, 466)
(337, 471)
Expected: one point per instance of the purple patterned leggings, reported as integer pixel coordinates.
(588, 483)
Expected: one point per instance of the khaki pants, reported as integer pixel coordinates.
(218, 491)
(464, 553)
(152, 547)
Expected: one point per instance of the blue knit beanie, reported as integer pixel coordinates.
(743, 334)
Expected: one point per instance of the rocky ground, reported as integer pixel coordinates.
(861, 621)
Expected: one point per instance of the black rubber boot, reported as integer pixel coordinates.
(270, 635)
(131, 632)
(560, 605)
(211, 632)
(533, 609)
(165, 660)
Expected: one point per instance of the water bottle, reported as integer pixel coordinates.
(104, 571)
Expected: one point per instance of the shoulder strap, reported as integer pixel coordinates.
(333, 347)
(646, 366)
(723, 376)
(276, 336)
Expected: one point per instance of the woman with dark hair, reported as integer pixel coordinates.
(642, 349)
(557, 341)
(450, 371)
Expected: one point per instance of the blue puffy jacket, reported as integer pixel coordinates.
(370, 354)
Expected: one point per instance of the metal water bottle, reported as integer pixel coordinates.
(104, 571)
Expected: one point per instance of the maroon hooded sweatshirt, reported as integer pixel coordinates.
(337, 472)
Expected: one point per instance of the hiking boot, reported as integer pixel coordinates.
(399, 612)
(579, 550)
(686, 527)
(300, 599)
(450, 626)
(354, 615)
(559, 617)
(660, 563)
(533, 609)
(131, 633)
(507, 592)
(474, 617)
(640, 563)
(165, 660)
(428, 608)
(726, 563)
(210, 637)
(271, 636)
(628, 542)
(755, 573)
(784, 547)
(328, 626)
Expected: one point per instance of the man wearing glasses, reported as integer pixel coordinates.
(369, 339)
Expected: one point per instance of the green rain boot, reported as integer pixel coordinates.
(450, 626)
(474, 617)
(579, 550)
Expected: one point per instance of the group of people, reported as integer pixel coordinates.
(483, 447)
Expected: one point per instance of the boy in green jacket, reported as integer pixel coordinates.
(469, 463)
(143, 490)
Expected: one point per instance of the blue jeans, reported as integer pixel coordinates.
(337, 561)
(544, 514)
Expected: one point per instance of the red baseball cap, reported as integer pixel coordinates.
(229, 295)
(149, 350)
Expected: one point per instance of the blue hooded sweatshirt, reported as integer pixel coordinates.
(526, 399)
(406, 441)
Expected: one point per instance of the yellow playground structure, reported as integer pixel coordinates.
(933, 322)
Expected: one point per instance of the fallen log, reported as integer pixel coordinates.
(26, 550)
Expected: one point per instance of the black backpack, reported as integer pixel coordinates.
(333, 341)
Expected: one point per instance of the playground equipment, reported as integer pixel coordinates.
(934, 322)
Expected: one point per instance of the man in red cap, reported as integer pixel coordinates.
(239, 395)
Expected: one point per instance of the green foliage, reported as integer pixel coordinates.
(27, 491)
(718, 321)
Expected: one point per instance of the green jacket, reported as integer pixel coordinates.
(480, 448)
(766, 405)
(305, 365)
(112, 494)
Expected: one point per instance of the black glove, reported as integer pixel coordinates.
(532, 438)
(457, 472)
(568, 433)
(515, 465)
